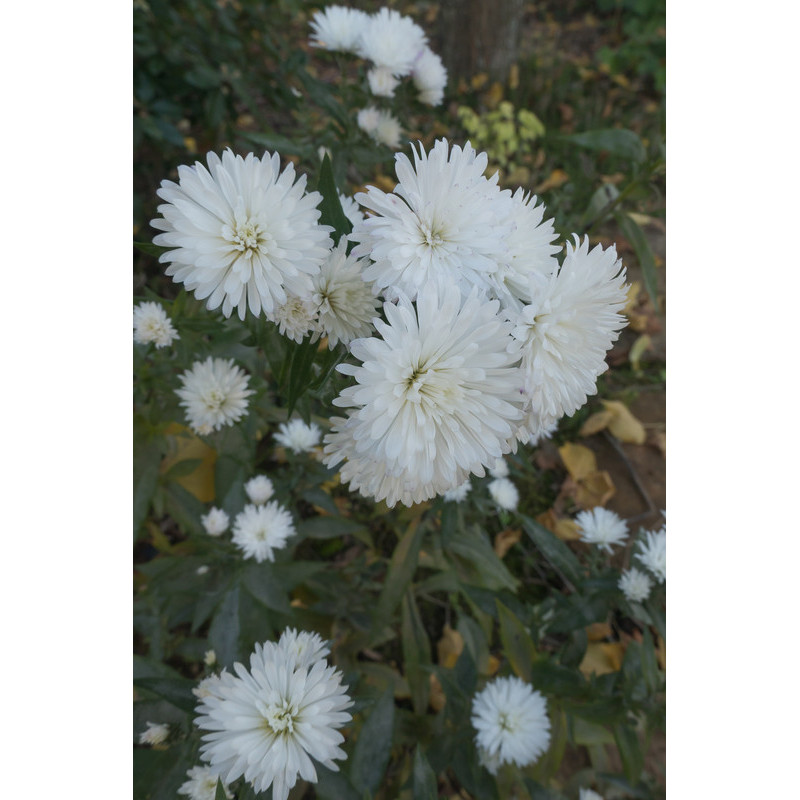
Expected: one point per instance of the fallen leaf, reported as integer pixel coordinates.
(437, 698)
(624, 425)
(596, 422)
(449, 647)
(185, 446)
(580, 461)
(505, 540)
(598, 631)
(602, 658)
(595, 490)
(494, 665)
(556, 179)
(567, 530)
(642, 343)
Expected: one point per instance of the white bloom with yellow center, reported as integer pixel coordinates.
(214, 394)
(260, 530)
(152, 325)
(511, 723)
(243, 233)
(602, 527)
(202, 785)
(268, 722)
(296, 318)
(381, 82)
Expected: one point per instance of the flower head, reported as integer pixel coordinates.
(156, 733)
(259, 489)
(602, 527)
(458, 494)
(243, 233)
(304, 646)
(381, 82)
(202, 784)
(296, 318)
(430, 77)
(504, 493)
(511, 722)
(345, 302)
(381, 125)
(298, 437)
(151, 324)
(215, 522)
(351, 209)
(500, 469)
(653, 553)
(635, 585)
(435, 398)
(259, 530)
(268, 722)
(338, 28)
(444, 222)
(589, 794)
(393, 41)
(214, 394)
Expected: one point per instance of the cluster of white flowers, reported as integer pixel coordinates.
(511, 722)
(152, 325)
(381, 125)
(268, 723)
(653, 553)
(298, 437)
(393, 43)
(602, 527)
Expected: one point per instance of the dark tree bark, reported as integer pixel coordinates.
(480, 36)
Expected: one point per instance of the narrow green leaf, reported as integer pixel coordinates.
(220, 792)
(261, 580)
(539, 792)
(617, 141)
(425, 783)
(416, 653)
(331, 212)
(151, 249)
(517, 643)
(547, 766)
(630, 751)
(476, 561)
(644, 253)
(374, 746)
(334, 785)
(327, 527)
(177, 691)
(146, 463)
(553, 549)
(649, 663)
(589, 733)
(224, 631)
(301, 365)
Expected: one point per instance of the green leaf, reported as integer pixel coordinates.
(477, 562)
(617, 141)
(334, 785)
(630, 750)
(220, 792)
(589, 733)
(425, 783)
(517, 643)
(416, 653)
(547, 766)
(151, 249)
(539, 792)
(146, 463)
(649, 663)
(300, 369)
(553, 549)
(223, 635)
(644, 253)
(374, 746)
(331, 212)
(262, 581)
(177, 691)
(328, 527)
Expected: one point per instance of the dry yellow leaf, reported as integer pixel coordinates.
(555, 180)
(449, 647)
(580, 461)
(632, 296)
(602, 658)
(505, 540)
(437, 698)
(479, 80)
(595, 490)
(519, 176)
(493, 666)
(623, 424)
(660, 441)
(642, 343)
(598, 631)
(567, 530)
(185, 446)
(596, 423)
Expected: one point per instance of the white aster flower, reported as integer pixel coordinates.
(444, 222)
(563, 335)
(156, 733)
(201, 570)
(589, 794)
(351, 209)
(268, 722)
(430, 77)
(381, 82)
(435, 399)
(259, 530)
(298, 437)
(511, 722)
(296, 318)
(209, 686)
(504, 493)
(214, 394)
(202, 784)
(653, 553)
(458, 494)
(344, 301)
(635, 585)
(500, 469)
(381, 125)
(304, 646)
(215, 522)
(259, 489)
(210, 658)
(151, 324)
(244, 233)
(602, 527)
(338, 28)
(393, 41)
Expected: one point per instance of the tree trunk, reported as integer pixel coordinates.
(480, 36)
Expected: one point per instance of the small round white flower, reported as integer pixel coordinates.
(381, 125)
(268, 722)
(338, 28)
(260, 530)
(304, 646)
(381, 82)
(156, 733)
(151, 324)
(201, 570)
(345, 302)
(602, 527)
(243, 233)
(298, 437)
(202, 784)
(589, 794)
(210, 658)
(430, 77)
(653, 553)
(259, 489)
(500, 469)
(504, 493)
(458, 494)
(511, 722)
(635, 585)
(393, 41)
(296, 318)
(214, 394)
(215, 522)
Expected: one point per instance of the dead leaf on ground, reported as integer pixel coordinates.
(185, 446)
(598, 631)
(437, 697)
(579, 460)
(602, 658)
(449, 647)
(617, 418)
(555, 180)
(505, 540)
(595, 490)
